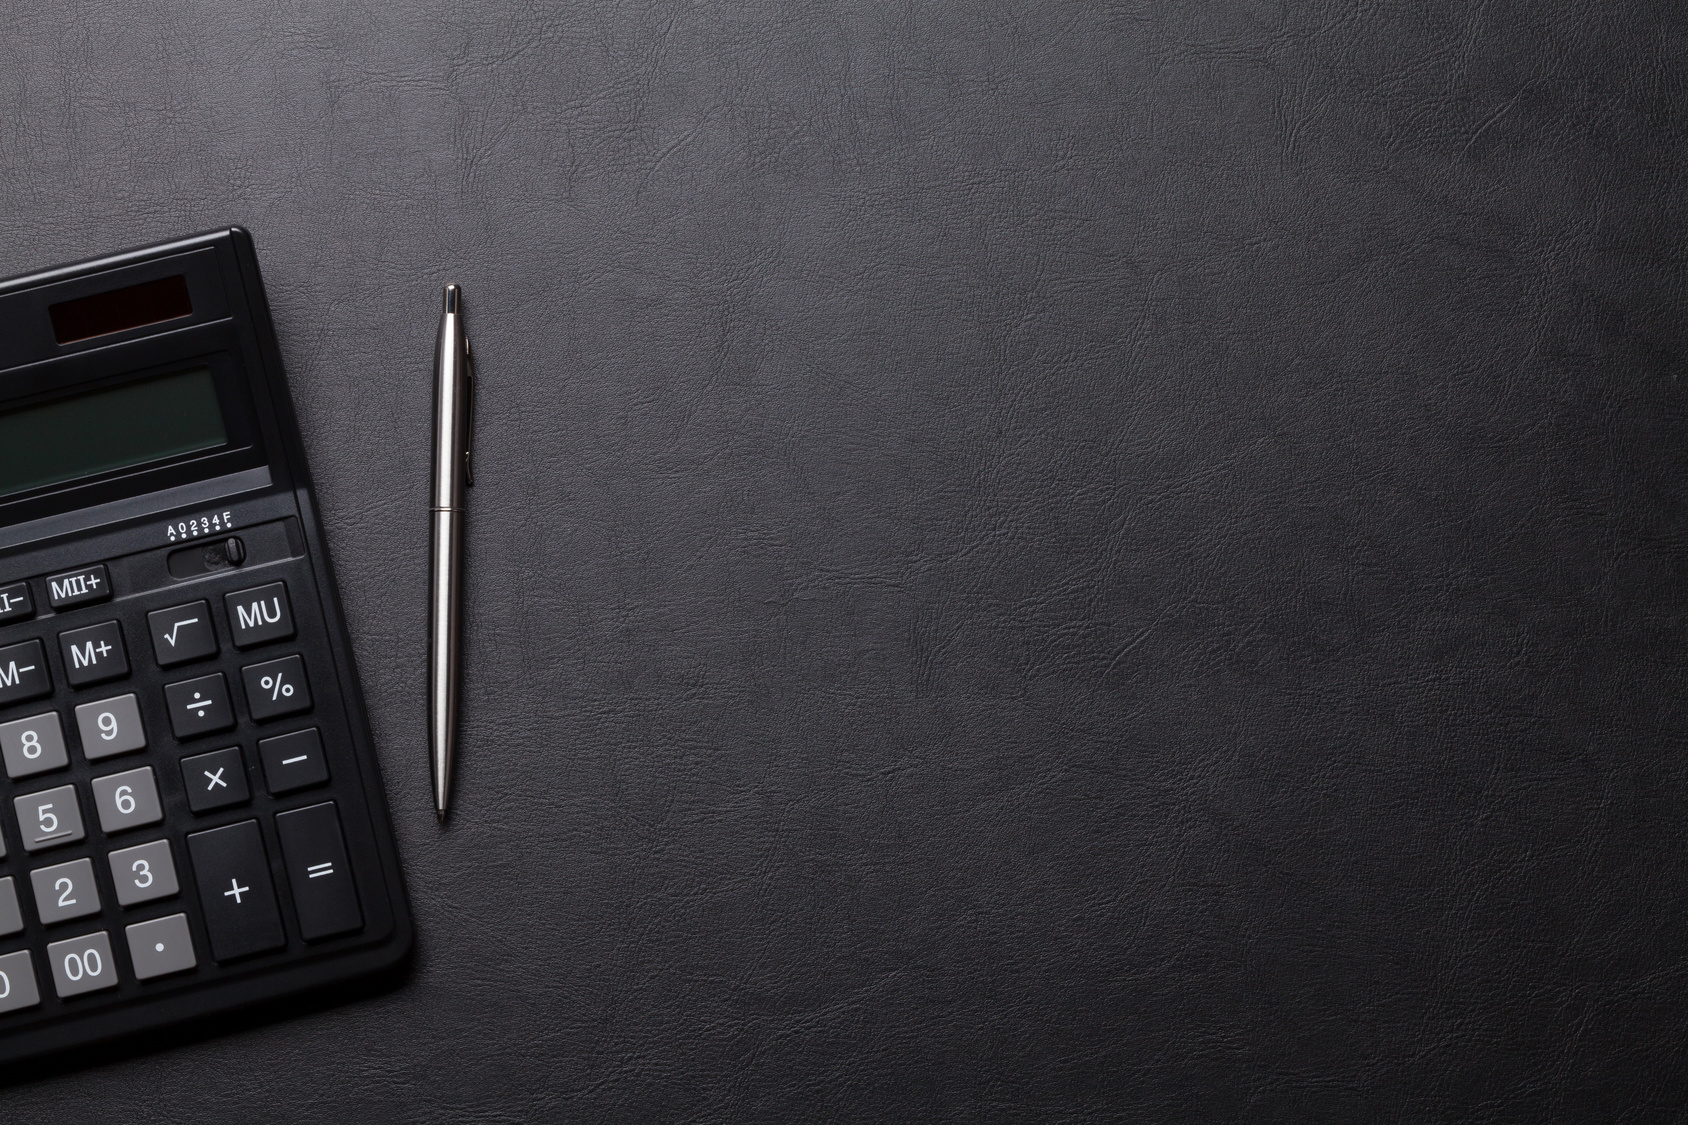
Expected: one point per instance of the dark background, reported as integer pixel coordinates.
(1043, 562)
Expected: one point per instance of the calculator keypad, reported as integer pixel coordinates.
(189, 891)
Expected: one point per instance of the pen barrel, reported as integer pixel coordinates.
(444, 648)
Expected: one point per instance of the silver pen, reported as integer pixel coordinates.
(454, 400)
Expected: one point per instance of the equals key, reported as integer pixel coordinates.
(315, 856)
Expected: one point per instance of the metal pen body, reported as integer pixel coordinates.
(453, 399)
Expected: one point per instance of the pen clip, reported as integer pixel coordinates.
(469, 417)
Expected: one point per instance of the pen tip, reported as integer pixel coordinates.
(453, 298)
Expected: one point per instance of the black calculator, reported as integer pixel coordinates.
(192, 819)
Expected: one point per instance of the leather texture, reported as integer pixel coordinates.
(1053, 562)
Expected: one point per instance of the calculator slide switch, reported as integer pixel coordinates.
(235, 891)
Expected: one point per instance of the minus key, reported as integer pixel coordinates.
(293, 761)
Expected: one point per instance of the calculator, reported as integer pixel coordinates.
(192, 818)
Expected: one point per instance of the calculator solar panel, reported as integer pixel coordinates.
(193, 818)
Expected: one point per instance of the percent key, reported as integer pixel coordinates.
(276, 688)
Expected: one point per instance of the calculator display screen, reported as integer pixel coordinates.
(109, 429)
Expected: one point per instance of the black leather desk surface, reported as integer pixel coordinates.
(1042, 562)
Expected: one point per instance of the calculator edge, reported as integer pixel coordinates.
(400, 944)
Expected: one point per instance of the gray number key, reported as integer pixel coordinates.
(65, 891)
(110, 727)
(161, 946)
(82, 964)
(17, 982)
(33, 745)
(127, 800)
(11, 918)
(144, 873)
(49, 818)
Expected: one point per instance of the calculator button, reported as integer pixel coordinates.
(127, 800)
(110, 727)
(23, 672)
(143, 873)
(49, 818)
(215, 780)
(17, 982)
(33, 745)
(79, 587)
(235, 891)
(15, 602)
(65, 891)
(315, 857)
(199, 706)
(11, 918)
(160, 947)
(94, 654)
(259, 615)
(276, 688)
(293, 761)
(182, 633)
(82, 964)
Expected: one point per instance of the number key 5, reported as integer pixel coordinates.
(49, 818)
